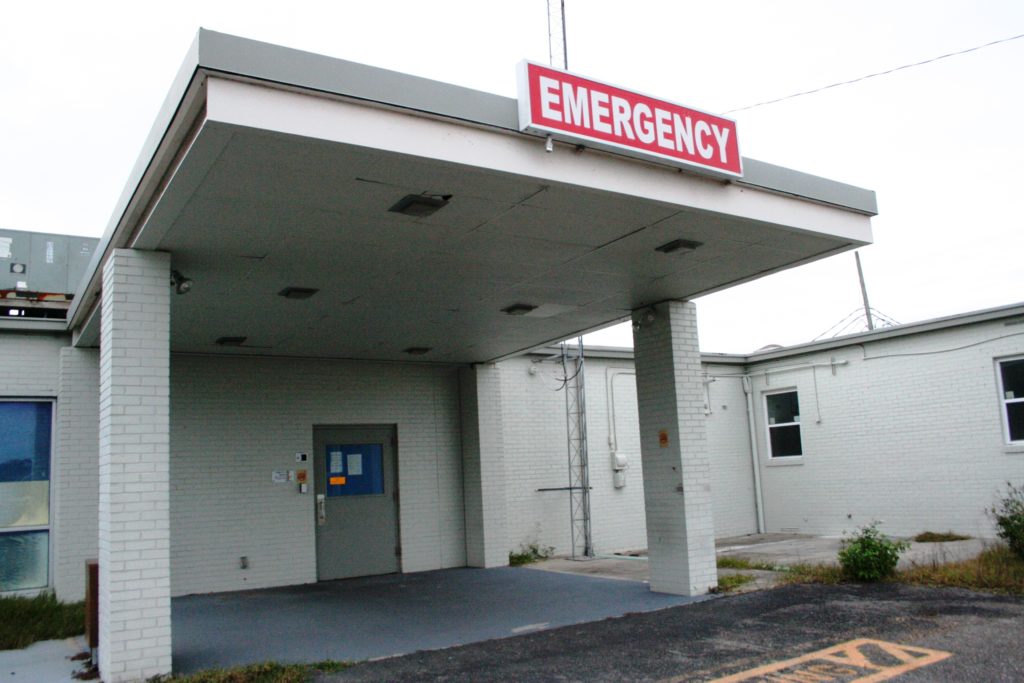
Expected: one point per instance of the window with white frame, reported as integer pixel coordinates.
(1011, 389)
(25, 436)
(783, 410)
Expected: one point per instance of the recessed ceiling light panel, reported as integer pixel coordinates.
(297, 292)
(420, 205)
(230, 341)
(518, 309)
(678, 245)
(418, 350)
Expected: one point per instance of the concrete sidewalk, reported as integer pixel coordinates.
(777, 550)
(46, 662)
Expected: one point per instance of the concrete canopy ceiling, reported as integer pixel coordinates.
(257, 185)
(276, 211)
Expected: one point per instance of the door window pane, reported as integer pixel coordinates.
(24, 558)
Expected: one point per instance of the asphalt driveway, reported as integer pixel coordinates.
(926, 634)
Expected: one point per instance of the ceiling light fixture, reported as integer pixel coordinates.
(518, 309)
(230, 341)
(418, 350)
(181, 284)
(420, 205)
(678, 245)
(297, 292)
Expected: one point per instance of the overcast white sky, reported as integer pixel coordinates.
(941, 144)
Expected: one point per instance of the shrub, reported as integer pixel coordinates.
(1009, 516)
(528, 554)
(939, 537)
(869, 555)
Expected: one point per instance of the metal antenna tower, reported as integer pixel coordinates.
(572, 366)
(576, 430)
(558, 49)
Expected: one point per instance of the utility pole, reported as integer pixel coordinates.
(864, 292)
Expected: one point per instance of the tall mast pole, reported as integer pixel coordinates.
(864, 293)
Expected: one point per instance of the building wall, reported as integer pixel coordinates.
(907, 432)
(536, 455)
(235, 420)
(732, 470)
(76, 471)
(30, 364)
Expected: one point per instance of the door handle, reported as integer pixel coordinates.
(321, 509)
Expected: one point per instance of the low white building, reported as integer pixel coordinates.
(918, 426)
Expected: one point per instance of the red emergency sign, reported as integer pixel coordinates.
(569, 107)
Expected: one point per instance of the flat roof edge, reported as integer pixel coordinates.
(930, 325)
(289, 66)
(783, 180)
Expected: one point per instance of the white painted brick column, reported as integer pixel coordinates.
(483, 467)
(673, 447)
(134, 538)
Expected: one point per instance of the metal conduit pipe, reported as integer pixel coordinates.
(748, 390)
(613, 440)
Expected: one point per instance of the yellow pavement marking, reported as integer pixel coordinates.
(857, 661)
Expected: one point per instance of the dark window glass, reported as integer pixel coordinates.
(24, 558)
(24, 441)
(783, 408)
(786, 441)
(1013, 378)
(1015, 420)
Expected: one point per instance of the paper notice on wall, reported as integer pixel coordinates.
(336, 462)
(49, 252)
(5, 247)
(279, 476)
(355, 464)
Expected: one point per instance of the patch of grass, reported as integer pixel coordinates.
(528, 554)
(730, 582)
(996, 569)
(24, 621)
(266, 672)
(814, 573)
(742, 563)
(937, 537)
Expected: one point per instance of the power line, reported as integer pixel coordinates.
(876, 75)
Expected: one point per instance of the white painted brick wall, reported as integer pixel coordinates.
(30, 364)
(76, 471)
(534, 423)
(483, 458)
(910, 433)
(236, 419)
(134, 541)
(677, 475)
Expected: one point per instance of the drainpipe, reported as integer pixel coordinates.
(754, 460)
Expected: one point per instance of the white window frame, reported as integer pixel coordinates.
(49, 526)
(1004, 403)
(772, 458)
